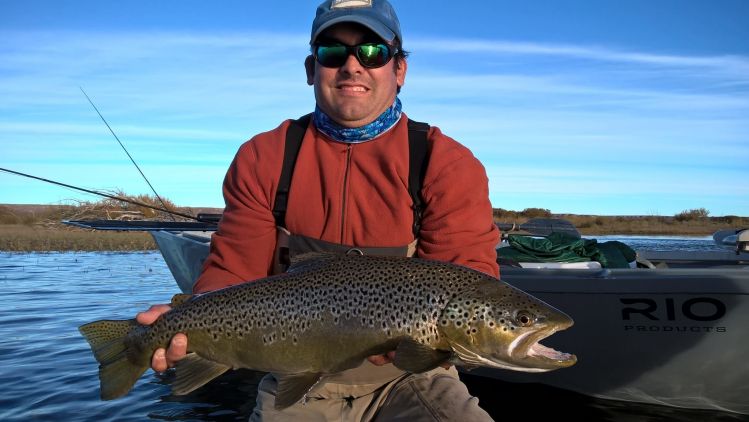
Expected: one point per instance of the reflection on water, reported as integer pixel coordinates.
(48, 372)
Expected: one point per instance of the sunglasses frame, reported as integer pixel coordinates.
(354, 50)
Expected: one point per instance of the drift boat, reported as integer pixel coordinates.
(669, 331)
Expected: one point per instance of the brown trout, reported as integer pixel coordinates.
(327, 314)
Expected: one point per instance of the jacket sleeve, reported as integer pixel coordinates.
(242, 247)
(458, 224)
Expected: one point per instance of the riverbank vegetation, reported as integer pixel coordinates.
(39, 227)
(693, 222)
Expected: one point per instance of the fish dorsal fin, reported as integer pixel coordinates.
(179, 299)
(294, 387)
(412, 356)
(193, 372)
(311, 260)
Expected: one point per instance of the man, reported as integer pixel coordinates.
(350, 191)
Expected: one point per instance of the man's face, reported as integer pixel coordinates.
(353, 95)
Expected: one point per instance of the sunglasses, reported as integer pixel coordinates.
(370, 55)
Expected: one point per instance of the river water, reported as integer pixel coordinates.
(47, 371)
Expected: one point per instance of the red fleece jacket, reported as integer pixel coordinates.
(354, 194)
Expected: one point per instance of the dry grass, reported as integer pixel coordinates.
(686, 223)
(654, 225)
(24, 238)
(40, 228)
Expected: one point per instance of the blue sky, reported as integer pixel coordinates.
(589, 107)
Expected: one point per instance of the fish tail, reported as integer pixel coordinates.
(117, 371)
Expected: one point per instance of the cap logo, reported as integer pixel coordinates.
(347, 4)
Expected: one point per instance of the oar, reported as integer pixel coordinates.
(542, 227)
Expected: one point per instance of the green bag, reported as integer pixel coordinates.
(560, 247)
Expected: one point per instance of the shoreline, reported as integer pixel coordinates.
(26, 239)
(38, 228)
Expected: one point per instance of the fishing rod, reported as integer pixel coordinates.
(118, 198)
(125, 149)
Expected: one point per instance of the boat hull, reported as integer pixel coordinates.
(674, 337)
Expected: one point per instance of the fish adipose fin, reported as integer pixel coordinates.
(193, 372)
(117, 373)
(412, 356)
(292, 388)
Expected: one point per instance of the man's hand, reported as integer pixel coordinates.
(382, 359)
(163, 359)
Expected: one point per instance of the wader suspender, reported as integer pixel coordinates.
(417, 166)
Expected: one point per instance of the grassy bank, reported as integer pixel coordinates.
(687, 223)
(653, 225)
(38, 227)
(25, 228)
(24, 238)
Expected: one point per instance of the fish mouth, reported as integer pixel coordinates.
(528, 352)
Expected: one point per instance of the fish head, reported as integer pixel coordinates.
(499, 326)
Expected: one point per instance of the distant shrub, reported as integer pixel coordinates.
(731, 220)
(693, 214)
(535, 213)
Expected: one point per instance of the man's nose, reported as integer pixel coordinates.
(352, 65)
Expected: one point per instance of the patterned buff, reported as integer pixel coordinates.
(357, 135)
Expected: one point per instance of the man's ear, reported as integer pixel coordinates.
(401, 67)
(309, 67)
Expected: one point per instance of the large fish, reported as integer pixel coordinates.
(327, 314)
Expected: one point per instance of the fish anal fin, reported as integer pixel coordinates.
(193, 372)
(293, 388)
(415, 357)
(179, 299)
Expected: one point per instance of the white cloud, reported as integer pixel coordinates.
(729, 64)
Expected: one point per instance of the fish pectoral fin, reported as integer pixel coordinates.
(466, 358)
(193, 372)
(294, 387)
(179, 299)
(412, 356)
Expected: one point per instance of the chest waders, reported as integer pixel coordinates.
(367, 392)
(289, 245)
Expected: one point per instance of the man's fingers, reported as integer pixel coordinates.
(149, 316)
(177, 349)
(163, 359)
(383, 359)
(158, 361)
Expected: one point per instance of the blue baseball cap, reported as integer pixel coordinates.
(377, 15)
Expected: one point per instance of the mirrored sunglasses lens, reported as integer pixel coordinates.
(332, 56)
(373, 55)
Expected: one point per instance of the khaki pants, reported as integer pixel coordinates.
(382, 394)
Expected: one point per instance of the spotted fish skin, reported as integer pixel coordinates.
(329, 312)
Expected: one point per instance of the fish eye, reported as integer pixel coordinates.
(525, 318)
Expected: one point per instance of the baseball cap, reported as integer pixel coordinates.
(377, 15)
